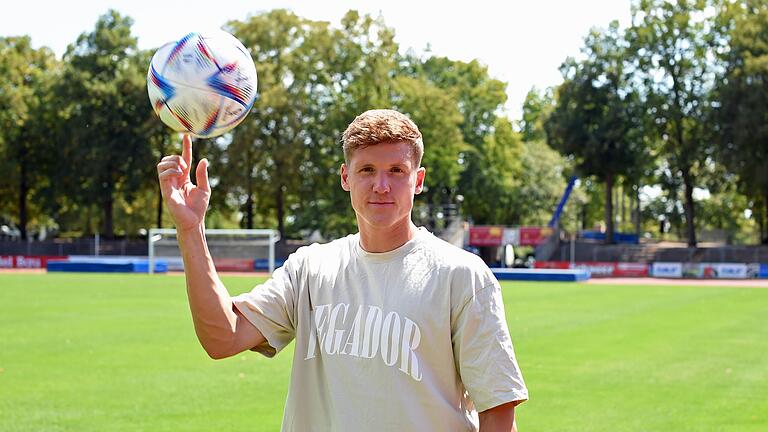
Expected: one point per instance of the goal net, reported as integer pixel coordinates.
(234, 250)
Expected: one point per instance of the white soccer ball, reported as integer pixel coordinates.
(203, 84)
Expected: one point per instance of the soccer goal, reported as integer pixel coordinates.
(232, 249)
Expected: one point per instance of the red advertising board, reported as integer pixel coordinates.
(25, 261)
(532, 236)
(233, 264)
(599, 268)
(480, 235)
(552, 265)
(485, 235)
(631, 270)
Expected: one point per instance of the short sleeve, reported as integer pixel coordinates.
(483, 351)
(271, 308)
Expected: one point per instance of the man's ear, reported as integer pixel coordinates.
(420, 174)
(343, 172)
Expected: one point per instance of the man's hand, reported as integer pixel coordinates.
(186, 202)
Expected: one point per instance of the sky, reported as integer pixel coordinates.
(523, 42)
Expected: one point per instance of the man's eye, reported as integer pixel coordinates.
(367, 169)
(397, 169)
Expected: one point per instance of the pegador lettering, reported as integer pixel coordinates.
(390, 338)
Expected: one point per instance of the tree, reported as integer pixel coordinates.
(596, 118)
(270, 141)
(313, 80)
(106, 117)
(479, 98)
(26, 76)
(493, 198)
(439, 121)
(360, 62)
(670, 42)
(742, 91)
(537, 106)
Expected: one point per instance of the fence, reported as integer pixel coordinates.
(584, 251)
(93, 246)
(82, 246)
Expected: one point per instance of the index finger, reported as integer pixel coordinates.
(186, 152)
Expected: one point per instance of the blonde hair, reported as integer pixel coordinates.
(379, 126)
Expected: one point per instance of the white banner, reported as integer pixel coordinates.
(595, 268)
(511, 236)
(667, 270)
(730, 270)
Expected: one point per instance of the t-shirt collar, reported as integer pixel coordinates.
(394, 254)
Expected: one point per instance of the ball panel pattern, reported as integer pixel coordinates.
(204, 84)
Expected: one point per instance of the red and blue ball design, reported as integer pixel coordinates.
(203, 84)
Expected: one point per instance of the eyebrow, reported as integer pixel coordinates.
(398, 164)
(373, 165)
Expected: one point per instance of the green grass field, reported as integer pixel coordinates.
(104, 352)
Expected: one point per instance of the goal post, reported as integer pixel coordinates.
(234, 249)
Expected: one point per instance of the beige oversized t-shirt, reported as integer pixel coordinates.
(413, 339)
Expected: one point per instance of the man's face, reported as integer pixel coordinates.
(382, 180)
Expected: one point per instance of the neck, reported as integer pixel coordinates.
(384, 240)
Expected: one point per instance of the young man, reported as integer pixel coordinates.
(395, 329)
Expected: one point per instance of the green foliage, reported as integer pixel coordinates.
(597, 117)
(107, 119)
(742, 90)
(439, 120)
(542, 183)
(313, 83)
(723, 215)
(676, 100)
(672, 49)
(313, 79)
(24, 95)
(478, 98)
(592, 205)
(537, 107)
(491, 195)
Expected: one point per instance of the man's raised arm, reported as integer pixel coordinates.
(222, 330)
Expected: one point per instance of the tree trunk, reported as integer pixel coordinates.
(280, 206)
(160, 203)
(615, 206)
(758, 215)
(159, 221)
(623, 206)
(249, 210)
(89, 220)
(23, 192)
(690, 215)
(609, 209)
(108, 225)
(637, 212)
(249, 200)
(764, 218)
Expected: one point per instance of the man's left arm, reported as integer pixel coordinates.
(499, 418)
(485, 358)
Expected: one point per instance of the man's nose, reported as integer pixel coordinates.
(381, 183)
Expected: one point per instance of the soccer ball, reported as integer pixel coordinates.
(203, 84)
